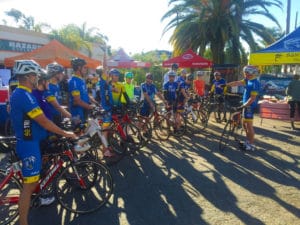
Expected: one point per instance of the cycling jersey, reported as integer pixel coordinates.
(77, 87)
(129, 88)
(149, 89)
(118, 97)
(185, 87)
(106, 99)
(252, 88)
(53, 93)
(199, 86)
(180, 80)
(24, 107)
(216, 89)
(170, 91)
(42, 102)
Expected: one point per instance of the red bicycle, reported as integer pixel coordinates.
(81, 186)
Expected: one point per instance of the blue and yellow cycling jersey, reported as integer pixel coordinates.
(252, 88)
(77, 87)
(24, 108)
(149, 89)
(53, 93)
(183, 86)
(216, 88)
(117, 96)
(105, 95)
(170, 91)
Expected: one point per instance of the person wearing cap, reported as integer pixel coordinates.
(173, 68)
(30, 125)
(149, 91)
(129, 86)
(53, 92)
(79, 99)
(199, 84)
(250, 101)
(217, 90)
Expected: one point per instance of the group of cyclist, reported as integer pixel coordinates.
(36, 110)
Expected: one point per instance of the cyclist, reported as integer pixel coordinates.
(182, 77)
(250, 99)
(30, 125)
(170, 91)
(149, 91)
(80, 101)
(217, 89)
(118, 90)
(106, 101)
(174, 68)
(53, 94)
(129, 86)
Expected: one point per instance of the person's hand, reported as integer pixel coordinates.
(91, 106)
(69, 134)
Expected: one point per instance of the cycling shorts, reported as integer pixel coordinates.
(30, 155)
(107, 118)
(248, 113)
(180, 107)
(145, 110)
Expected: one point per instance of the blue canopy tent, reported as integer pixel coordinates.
(284, 51)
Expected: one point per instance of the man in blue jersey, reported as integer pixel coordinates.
(53, 93)
(79, 99)
(250, 99)
(149, 91)
(30, 125)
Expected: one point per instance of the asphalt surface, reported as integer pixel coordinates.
(189, 182)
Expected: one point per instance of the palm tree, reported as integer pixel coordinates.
(218, 25)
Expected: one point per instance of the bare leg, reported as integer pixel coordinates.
(24, 202)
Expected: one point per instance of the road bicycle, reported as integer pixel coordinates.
(232, 130)
(81, 186)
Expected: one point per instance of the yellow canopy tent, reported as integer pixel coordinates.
(284, 51)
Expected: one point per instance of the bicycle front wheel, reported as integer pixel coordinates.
(84, 187)
(9, 198)
(227, 136)
(161, 128)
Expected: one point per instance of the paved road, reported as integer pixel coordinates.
(188, 182)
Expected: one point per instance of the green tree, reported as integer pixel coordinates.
(219, 25)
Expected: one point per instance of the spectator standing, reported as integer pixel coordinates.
(199, 84)
(293, 94)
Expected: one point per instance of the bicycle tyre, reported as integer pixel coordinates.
(161, 128)
(115, 142)
(133, 137)
(181, 131)
(81, 200)
(202, 119)
(227, 133)
(9, 211)
(145, 129)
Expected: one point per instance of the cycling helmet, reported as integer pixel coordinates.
(77, 62)
(54, 68)
(183, 71)
(24, 67)
(99, 70)
(251, 70)
(114, 72)
(149, 76)
(45, 75)
(175, 66)
(190, 77)
(172, 74)
(129, 75)
(217, 73)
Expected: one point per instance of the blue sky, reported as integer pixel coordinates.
(132, 24)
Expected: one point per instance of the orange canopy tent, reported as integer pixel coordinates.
(54, 51)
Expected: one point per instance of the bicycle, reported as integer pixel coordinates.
(215, 104)
(232, 130)
(81, 186)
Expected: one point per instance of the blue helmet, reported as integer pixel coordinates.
(114, 72)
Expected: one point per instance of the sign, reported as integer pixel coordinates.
(18, 46)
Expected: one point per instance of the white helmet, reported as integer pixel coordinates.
(24, 67)
(252, 70)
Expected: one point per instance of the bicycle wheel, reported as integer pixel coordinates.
(145, 128)
(9, 198)
(133, 137)
(202, 119)
(84, 187)
(179, 130)
(161, 128)
(227, 136)
(115, 142)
